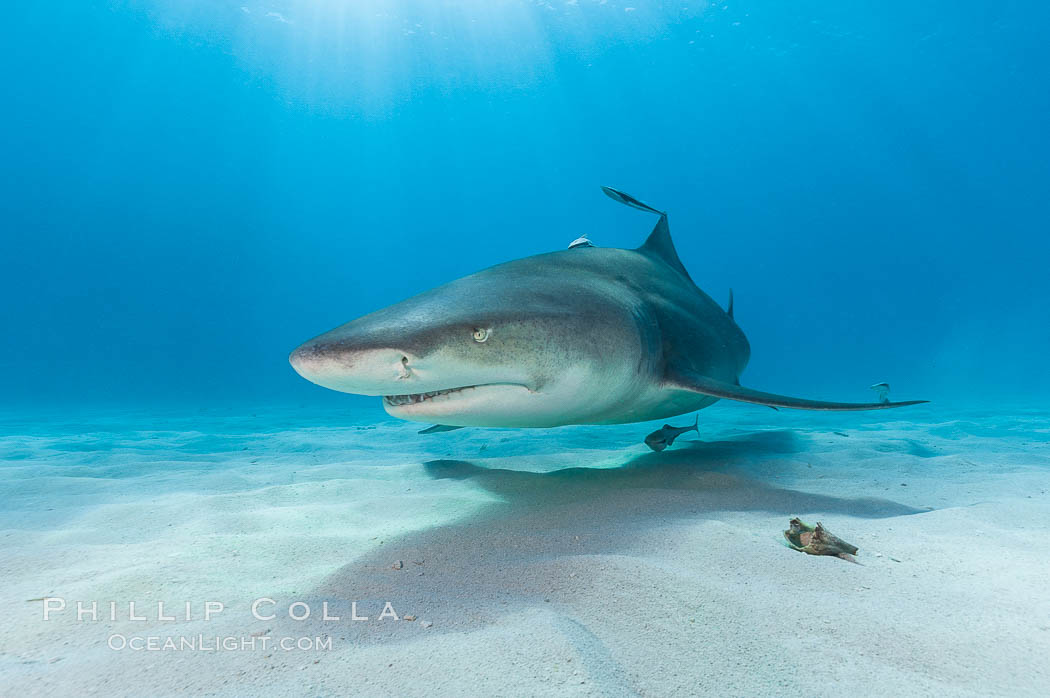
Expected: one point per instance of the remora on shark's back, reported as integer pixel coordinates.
(587, 335)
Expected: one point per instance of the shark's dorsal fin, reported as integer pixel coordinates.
(659, 243)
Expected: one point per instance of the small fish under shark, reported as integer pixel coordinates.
(665, 435)
(587, 335)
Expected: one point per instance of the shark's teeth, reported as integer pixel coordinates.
(398, 400)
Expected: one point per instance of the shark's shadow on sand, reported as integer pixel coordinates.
(525, 550)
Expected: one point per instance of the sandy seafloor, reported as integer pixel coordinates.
(559, 562)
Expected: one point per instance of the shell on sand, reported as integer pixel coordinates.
(817, 540)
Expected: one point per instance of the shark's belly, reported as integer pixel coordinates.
(656, 403)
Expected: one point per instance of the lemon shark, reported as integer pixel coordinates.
(586, 335)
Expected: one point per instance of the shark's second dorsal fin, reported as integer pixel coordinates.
(659, 243)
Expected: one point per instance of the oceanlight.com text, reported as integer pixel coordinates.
(217, 643)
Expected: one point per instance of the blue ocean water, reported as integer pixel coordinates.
(190, 189)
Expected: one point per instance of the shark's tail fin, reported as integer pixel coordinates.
(696, 423)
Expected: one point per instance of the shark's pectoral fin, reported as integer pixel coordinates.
(438, 428)
(728, 391)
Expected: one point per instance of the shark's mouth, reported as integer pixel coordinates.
(416, 398)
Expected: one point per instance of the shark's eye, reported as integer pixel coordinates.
(480, 334)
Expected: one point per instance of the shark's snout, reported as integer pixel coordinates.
(351, 368)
